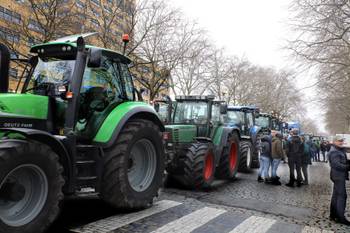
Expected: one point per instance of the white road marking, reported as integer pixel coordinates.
(254, 224)
(190, 222)
(308, 229)
(117, 221)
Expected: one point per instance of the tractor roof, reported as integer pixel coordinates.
(69, 49)
(194, 98)
(242, 108)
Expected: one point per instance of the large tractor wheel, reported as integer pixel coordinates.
(245, 164)
(30, 186)
(229, 160)
(134, 167)
(199, 166)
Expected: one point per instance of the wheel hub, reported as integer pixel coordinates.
(208, 166)
(142, 165)
(23, 194)
(12, 191)
(233, 156)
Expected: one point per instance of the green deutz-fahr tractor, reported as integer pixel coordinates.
(199, 146)
(75, 126)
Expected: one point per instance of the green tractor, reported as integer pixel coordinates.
(74, 127)
(198, 144)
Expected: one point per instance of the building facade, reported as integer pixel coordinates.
(23, 24)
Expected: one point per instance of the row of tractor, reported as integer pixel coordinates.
(206, 139)
(78, 125)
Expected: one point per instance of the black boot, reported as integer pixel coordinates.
(260, 179)
(343, 221)
(275, 181)
(290, 184)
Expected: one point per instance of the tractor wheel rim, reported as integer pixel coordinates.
(18, 210)
(208, 166)
(233, 156)
(142, 165)
(249, 157)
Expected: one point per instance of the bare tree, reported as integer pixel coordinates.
(322, 42)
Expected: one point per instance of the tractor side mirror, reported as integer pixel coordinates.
(95, 58)
(156, 107)
(223, 108)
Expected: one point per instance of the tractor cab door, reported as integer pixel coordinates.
(103, 88)
(249, 122)
(215, 120)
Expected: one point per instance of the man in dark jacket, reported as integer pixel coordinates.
(339, 174)
(295, 150)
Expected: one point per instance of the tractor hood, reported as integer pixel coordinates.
(182, 133)
(23, 110)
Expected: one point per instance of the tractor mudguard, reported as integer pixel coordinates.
(114, 123)
(56, 145)
(223, 139)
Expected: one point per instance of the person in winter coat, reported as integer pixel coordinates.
(340, 168)
(295, 150)
(305, 161)
(277, 155)
(323, 148)
(265, 158)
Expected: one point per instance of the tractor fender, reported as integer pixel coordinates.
(56, 145)
(116, 124)
(226, 131)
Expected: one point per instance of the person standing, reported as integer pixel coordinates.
(340, 168)
(276, 155)
(265, 158)
(323, 151)
(295, 150)
(305, 161)
(317, 145)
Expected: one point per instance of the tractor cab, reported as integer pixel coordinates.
(48, 86)
(164, 108)
(201, 114)
(244, 117)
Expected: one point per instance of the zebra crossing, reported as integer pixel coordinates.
(174, 217)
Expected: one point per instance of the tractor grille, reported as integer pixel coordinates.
(176, 135)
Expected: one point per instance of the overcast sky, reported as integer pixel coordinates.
(256, 29)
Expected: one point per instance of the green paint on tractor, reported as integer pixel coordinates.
(218, 135)
(183, 133)
(105, 132)
(24, 105)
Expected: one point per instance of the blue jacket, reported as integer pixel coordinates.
(338, 162)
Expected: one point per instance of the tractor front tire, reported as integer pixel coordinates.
(30, 186)
(245, 164)
(199, 166)
(230, 157)
(134, 166)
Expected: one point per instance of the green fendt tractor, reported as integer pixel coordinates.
(199, 146)
(75, 126)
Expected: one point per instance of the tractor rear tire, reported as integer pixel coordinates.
(30, 186)
(199, 166)
(229, 160)
(245, 164)
(133, 168)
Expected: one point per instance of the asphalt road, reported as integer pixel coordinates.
(243, 205)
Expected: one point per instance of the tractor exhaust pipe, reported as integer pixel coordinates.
(4, 68)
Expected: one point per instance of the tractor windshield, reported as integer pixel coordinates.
(263, 121)
(233, 117)
(50, 71)
(191, 113)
